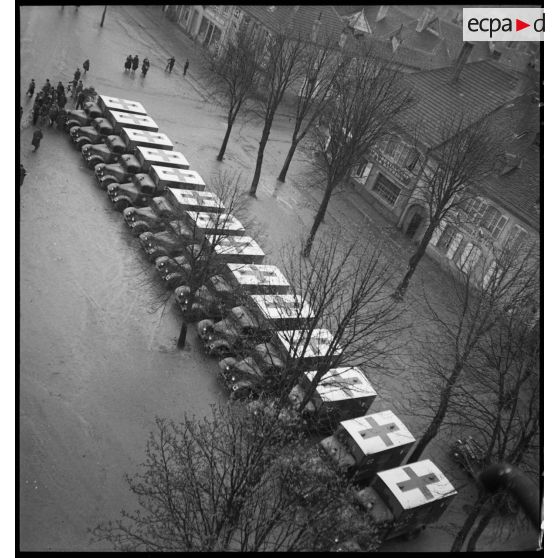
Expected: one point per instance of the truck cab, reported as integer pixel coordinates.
(362, 446)
(174, 271)
(108, 151)
(152, 218)
(121, 171)
(93, 133)
(82, 117)
(138, 192)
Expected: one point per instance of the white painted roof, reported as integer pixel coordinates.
(342, 383)
(156, 138)
(180, 176)
(152, 155)
(235, 245)
(195, 198)
(114, 103)
(282, 306)
(254, 274)
(417, 484)
(131, 119)
(318, 345)
(218, 221)
(377, 432)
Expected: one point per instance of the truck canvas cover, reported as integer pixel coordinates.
(137, 138)
(416, 484)
(283, 307)
(256, 277)
(152, 156)
(318, 345)
(219, 223)
(342, 383)
(194, 200)
(124, 105)
(129, 120)
(179, 178)
(377, 432)
(236, 249)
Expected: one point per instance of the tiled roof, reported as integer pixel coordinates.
(482, 88)
(518, 190)
(303, 19)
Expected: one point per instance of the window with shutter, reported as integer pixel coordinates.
(386, 189)
(493, 221)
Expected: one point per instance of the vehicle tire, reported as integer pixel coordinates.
(121, 205)
(80, 142)
(105, 181)
(71, 124)
(95, 161)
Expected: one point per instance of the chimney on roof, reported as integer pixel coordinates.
(424, 19)
(316, 28)
(461, 61)
(382, 13)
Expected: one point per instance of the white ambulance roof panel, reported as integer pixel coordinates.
(143, 136)
(114, 103)
(377, 432)
(417, 484)
(190, 198)
(131, 119)
(152, 155)
(282, 306)
(254, 274)
(235, 245)
(219, 221)
(343, 383)
(318, 346)
(182, 176)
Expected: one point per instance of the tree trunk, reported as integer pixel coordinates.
(287, 163)
(414, 261)
(318, 220)
(259, 160)
(182, 337)
(483, 524)
(225, 141)
(468, 525)
(434, 426)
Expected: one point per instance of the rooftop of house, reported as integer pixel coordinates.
(303, 18)
(481, 88)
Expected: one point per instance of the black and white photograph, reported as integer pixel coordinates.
(278, 278)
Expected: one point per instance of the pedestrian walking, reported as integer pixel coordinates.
(186, 64)
(85, 67)
(146, 62)
(46, 86)
(135, 63)
(31, 88)
(72, 87)
(39, 99)
(53, 114)
(79, 87)
(80, 100)
(170, 64)
(36, 112)
(60, 88)
(144, 69)
(22, 173)
(77, 74)
(36, 141)
(45, 108)
(62, 100)
(128, 63)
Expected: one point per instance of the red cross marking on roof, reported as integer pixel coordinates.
(163, 155)
(134, 118)
(145, 135)
(344, 384)
(289, 307)
(379, 431)
(129, 105)
(418, 482)
(175, 174)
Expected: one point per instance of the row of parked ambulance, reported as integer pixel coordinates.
(166, 205)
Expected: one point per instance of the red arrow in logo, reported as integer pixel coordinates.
(519, 25)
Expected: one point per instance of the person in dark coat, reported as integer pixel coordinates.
(144, 68)
(36, 112)
(45, 109)
(47, 86)
(77, 74)
(128, 63)
(22, 173)
(135, 63)
(62, 100)
(146, 62)
(53, 114)
(186, 64)
(80, 100)
(79, 87)
(60, 88)
(170, 64)
(86, 66)
(31, 88)
(36, 141)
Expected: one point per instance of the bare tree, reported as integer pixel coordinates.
(320, 66)
(233, 75)
(460, 331)
(236, 481)
(368, 95)
(280, 69)
(467, 154)
(501, 406)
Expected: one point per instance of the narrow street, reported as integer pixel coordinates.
(97, 351)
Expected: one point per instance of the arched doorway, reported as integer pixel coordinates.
(414, 221)
(414, 224)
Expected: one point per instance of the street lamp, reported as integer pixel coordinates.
(103, 18)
